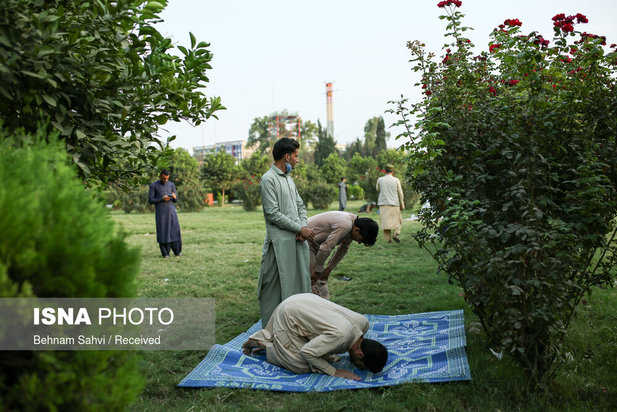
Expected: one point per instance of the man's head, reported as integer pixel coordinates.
(164, 175)
(365, 231)
(286, 148)
(369, 354)
(389, 168)
(343, 179)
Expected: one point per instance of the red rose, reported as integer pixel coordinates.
(512, 22)
(581, 18)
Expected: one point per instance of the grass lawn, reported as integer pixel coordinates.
(222, 251)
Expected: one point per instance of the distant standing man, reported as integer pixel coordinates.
(390, 203)
(163, 195)
(335, 230)
(285, 259)
(342, 194)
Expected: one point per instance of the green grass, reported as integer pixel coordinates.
(222, 251)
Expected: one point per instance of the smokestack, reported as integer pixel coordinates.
(330, 124)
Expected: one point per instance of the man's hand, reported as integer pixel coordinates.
(166, 198)
(342, 373)
(174, 195)
(307, 233)
(252, 346)
(300, 238)
(325, 274)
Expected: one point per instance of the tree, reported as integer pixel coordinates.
(333, 168)
(101, 75)
(185, 174)
(352, 148)
(309, 133)
(259, 134)
(219, 171)
(370, 135)
(256, 165)
(381, 136)
(263, 133)
(375, 136)
(325, 145)
(515, 151)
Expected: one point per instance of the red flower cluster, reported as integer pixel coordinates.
(541, 41)
(445, 3)
(493, 47)
(513, 82)
(512, 22)
(428, 92)
(492, 91)
(585, 36)
(560, 21)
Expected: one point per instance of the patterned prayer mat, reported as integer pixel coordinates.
(423, 347)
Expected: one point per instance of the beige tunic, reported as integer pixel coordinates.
(390, 202)
(390, 191)
(305, 329)
(331, 229)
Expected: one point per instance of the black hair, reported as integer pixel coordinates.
(368, 229)
(375, 355)
(284, 146)
(342, 178)
(164, 172)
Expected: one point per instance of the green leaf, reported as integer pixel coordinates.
(50, 100)
(193, 40)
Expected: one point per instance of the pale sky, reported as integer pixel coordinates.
(272, 55)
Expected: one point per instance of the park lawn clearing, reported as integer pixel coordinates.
(222, 252)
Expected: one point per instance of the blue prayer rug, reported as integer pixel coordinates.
(422, 347)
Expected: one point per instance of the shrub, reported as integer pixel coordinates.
(355, 192)
(247, 190)
(516, 152)
(320, 194)
(135, 200)
(58, 242)
(191, 197)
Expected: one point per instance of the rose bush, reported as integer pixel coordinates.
(515, 150)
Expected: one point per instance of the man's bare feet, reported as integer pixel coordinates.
(252, 346)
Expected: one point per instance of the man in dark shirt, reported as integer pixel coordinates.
(163, 196)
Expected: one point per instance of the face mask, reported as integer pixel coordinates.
(287, 168)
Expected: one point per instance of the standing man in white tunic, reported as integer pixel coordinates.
(285, 262)
(306, 333)
(390, 203)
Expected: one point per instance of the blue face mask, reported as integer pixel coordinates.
(288, 168)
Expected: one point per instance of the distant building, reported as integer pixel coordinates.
(236, 148)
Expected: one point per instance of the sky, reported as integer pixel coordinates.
(273, 55)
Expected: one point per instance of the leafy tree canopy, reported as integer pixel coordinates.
(101, 75)
(219, 170)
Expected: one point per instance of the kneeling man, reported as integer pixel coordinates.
(307, 332)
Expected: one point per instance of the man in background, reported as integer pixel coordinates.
(390, 203)
(162, 194)
(285, 260)
(335, 230)
(342, 194)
